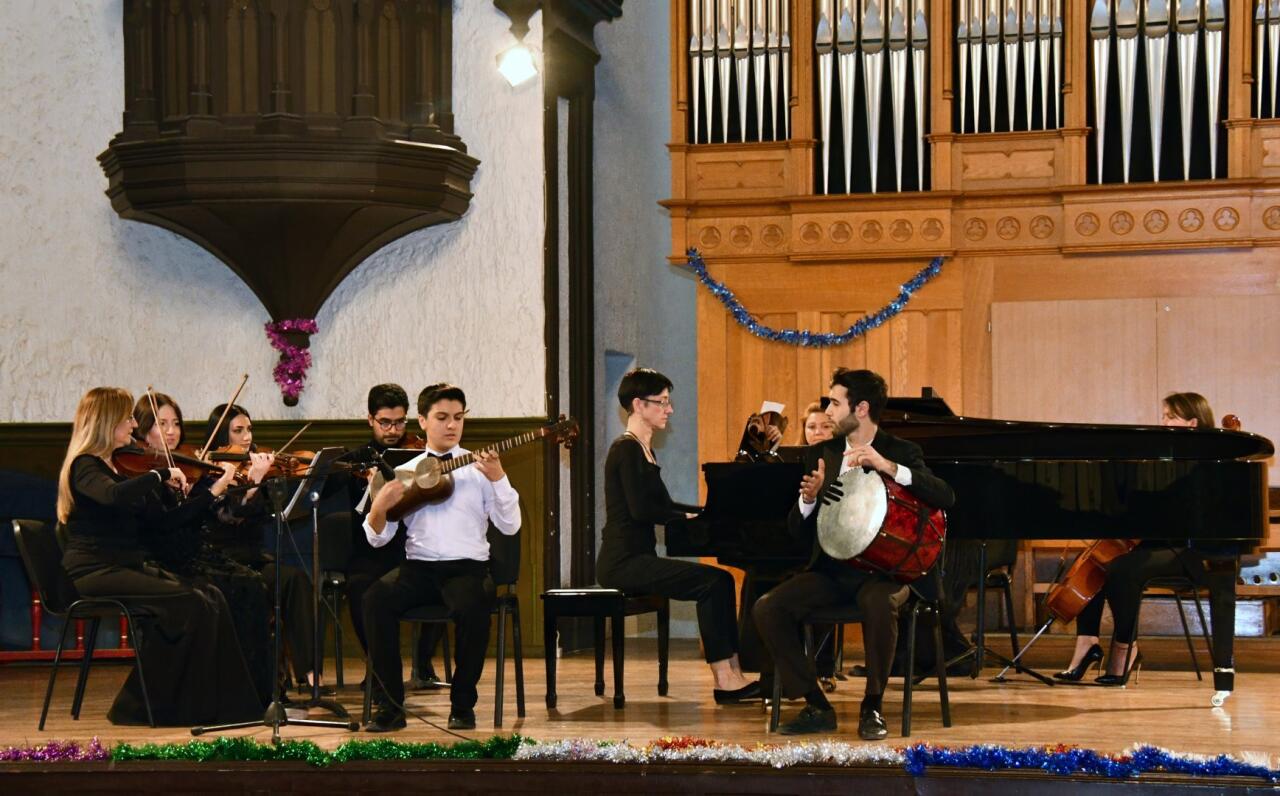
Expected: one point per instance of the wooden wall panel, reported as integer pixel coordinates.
(1074, 361)
(1227, 348)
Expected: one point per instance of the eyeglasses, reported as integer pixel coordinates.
(387, 425)
(665, 403)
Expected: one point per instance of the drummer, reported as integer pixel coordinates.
(857, 398)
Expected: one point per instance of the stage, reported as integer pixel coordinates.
(1167, 708)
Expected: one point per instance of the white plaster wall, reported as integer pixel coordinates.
(87, 298)
(644, 307)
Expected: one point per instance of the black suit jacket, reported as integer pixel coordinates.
(924, 484)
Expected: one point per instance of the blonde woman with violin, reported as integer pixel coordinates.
(240, 528)
(1127, 575)
(195, 671)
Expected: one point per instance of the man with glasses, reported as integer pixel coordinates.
(388, 418)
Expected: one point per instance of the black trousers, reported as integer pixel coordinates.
(465, 588)
(189, 652)
(780, 613)
(711, 587)
(363, 573)
(1126, 577)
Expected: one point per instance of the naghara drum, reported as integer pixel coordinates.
(881, 527)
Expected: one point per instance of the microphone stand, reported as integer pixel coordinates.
(275, 716)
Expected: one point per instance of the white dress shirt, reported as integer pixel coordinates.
(902, 475)
(458, 527)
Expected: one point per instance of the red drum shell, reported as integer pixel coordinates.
(903, 549)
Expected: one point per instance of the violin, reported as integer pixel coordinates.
(285, 465)
(413, 442)
(136, 459)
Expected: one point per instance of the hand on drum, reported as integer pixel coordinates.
(811, 484)
(867, 456)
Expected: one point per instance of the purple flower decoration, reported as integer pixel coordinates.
(290, 338)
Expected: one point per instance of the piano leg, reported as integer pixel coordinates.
(1222, 616)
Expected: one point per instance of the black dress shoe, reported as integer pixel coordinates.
(751, 692)
(387, 720)
(462, 720)
(810, 720)
(428, 683)
(871, 726)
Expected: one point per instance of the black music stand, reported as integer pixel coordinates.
(307, 495)
(979, 651)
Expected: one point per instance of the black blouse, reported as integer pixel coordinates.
(106, 506)
(635, 500)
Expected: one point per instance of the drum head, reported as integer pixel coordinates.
(846, 528)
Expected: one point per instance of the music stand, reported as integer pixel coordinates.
(306, 495)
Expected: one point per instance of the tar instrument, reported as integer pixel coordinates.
(877, 525)
(429, 480)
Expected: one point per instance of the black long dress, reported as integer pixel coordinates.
(191, 657)
(175, 539)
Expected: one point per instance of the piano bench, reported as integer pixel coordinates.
(601, 604)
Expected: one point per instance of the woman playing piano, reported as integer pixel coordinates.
(635, 501)
(1128, 574)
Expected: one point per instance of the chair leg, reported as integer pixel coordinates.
(839, 650)
(367, 707)
(940, 661)
(448, 655)
(910, 671)
(1204, 624)
(502, 665)
(1008, 610)
(775, 706)
(664, 646)
(1186, 634)
(335, 602)
(549, 650)
(809, 650)
(598, 625)
(137, 661)
(415, 659)
(519, 650)
(89, 646)
(53, 672)
(619, 649)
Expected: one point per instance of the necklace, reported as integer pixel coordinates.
(648, 452)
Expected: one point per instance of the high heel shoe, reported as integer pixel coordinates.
(1119, 680)
(1091, 658)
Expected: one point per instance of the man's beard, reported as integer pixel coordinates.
(847, 425)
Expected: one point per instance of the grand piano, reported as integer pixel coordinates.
(1026, 480)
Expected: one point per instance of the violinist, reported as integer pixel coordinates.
(1127, 575)
(195, 671)
(180, 546)
(239, 530)
(388, 406)
(446, 561)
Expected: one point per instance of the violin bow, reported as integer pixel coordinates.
(292, 439)
(218, 426)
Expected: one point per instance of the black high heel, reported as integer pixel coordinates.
(1119, 680)
(1092, 657)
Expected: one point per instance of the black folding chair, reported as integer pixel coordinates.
(42, 556)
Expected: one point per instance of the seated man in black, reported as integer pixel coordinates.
(446, 561)
(388, 416)
(857, 398)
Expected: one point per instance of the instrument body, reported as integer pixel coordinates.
(877, 525)
(1086, 578)
(136, 459)
(429, 479)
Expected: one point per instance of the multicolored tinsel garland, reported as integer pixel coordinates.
(291, 370)
(804, 337)
(916, 759)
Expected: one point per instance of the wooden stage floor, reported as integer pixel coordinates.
(1168, 707)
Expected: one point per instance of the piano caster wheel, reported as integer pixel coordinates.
(828, 684)
(1219, 698)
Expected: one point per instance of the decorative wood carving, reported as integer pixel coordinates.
(290, 138)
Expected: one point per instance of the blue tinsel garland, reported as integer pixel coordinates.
(1068, 761)
(804, 337)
